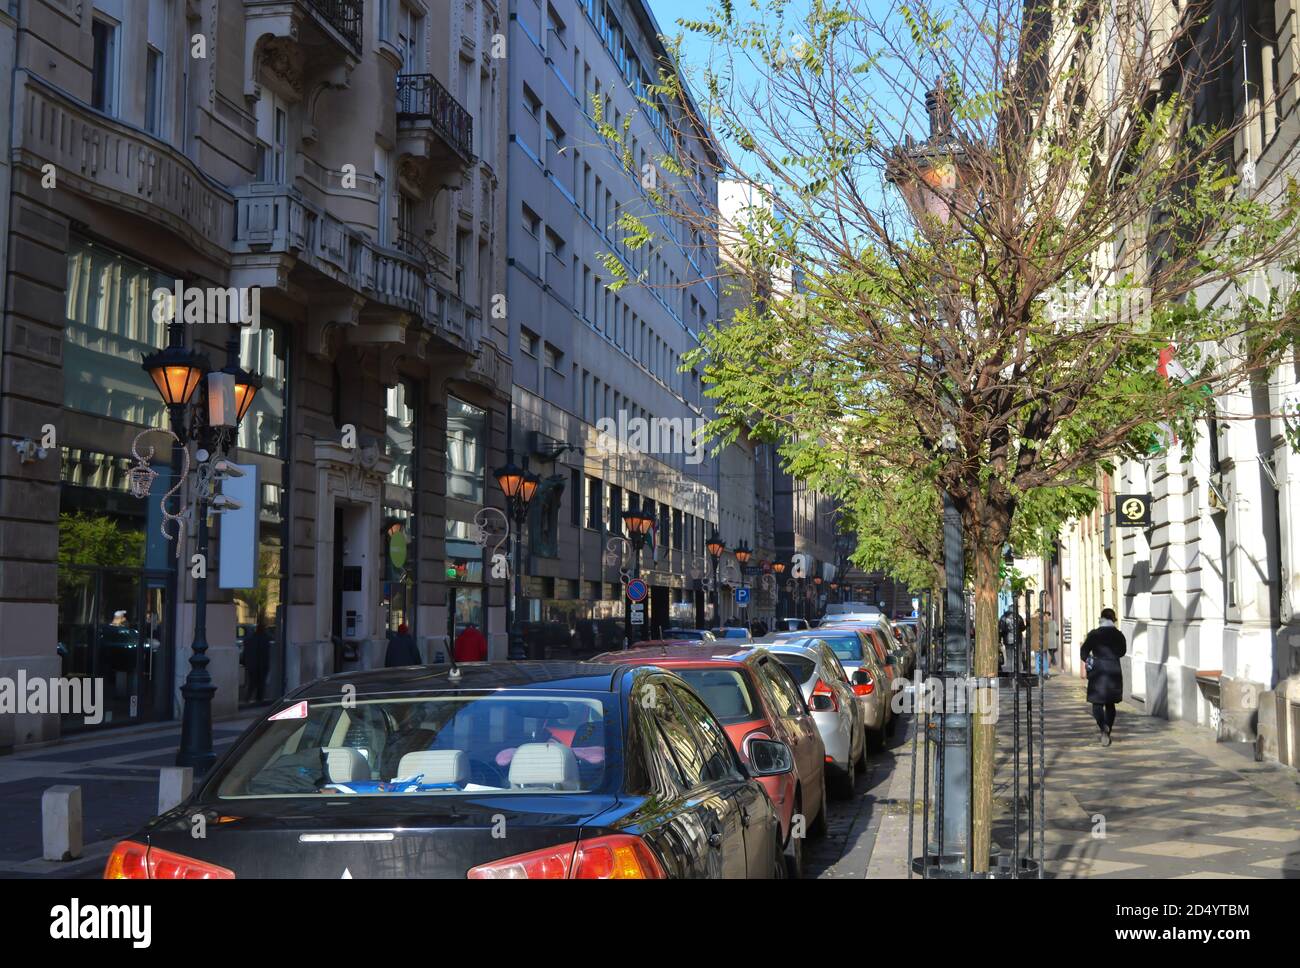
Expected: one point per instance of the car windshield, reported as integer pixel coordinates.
(733, 633)
(687, 634)
(428, 745)
(800, 666)
(727, 693)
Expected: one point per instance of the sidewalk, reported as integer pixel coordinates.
(118, 775)
(1164, 801)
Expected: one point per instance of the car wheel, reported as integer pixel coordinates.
(794, 847)
(876, 740)
(846, 781)
(818, 826)
(863, 762)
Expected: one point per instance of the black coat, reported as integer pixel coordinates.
(1105, 644)
(402, 651)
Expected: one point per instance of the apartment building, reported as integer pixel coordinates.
(343, 159)
(588, 355)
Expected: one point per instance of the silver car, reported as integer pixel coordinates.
(829, 692)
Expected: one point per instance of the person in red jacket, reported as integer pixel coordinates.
(471, 645)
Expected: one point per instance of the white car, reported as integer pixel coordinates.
(840, 720)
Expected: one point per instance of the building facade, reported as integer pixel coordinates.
(603, 410)
(343, 161)
(1206, 590)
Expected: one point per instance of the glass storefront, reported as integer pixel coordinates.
(399, 574)
(115, 568)
(466, 446)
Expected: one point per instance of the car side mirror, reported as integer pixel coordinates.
(861, 677)
(769, 757)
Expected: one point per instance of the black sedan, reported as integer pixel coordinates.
(508, 770)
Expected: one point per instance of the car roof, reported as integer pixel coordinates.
(678, 654)
(792, 649)
(474, 676)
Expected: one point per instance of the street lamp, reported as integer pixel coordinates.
(518, 484)
(715, 548)
(638, 523)
(779, 568)
(937, 181)
(177, 372)
(743, 553)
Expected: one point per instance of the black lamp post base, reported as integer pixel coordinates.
(196, 728)
(517, 649)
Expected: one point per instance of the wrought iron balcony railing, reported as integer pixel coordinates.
(421, 98)
(343, 15)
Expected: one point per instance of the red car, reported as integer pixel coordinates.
(752, 695)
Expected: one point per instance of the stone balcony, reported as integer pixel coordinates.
(370, 290)
(306, 43)
(434, 129)
(120, 165)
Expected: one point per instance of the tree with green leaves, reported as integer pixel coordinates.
(1000, 215)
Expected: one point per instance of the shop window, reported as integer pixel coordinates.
(466, 444)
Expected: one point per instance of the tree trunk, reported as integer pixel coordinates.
(989, 534)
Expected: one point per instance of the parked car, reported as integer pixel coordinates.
(831, 695)
(792, 624)
(755, 698)
(904, 653)
(857, 648)
(597, 771)
(733, 632)
(699, 635)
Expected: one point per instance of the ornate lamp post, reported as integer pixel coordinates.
(638, 523)
(779, 568)
(743, 553)
(227, 394)
(938, 181)
(518, 484)
(715, 548)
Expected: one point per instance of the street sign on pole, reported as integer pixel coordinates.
(742, 597)
(637, 590)
(638, 613)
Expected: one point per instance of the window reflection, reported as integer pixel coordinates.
(466, 443)
(263, 353)
(109, 328)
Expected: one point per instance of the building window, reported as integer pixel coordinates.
(463, 241)
(264, 352)
(110, 327)
(400, 512)
(527, 341)
(594, 498)
(466, 444)
(272, 138)
(153, 81)
(104, 68)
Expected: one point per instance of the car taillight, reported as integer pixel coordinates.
(127, 862)
(616, 857)
(547, 864)
(133, 861)
(823, 697)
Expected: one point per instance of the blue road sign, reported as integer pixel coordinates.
(742, 596)
(637, 590)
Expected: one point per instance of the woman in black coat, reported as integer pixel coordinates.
(1100, 653)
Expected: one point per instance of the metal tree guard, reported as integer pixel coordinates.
(1027, 760)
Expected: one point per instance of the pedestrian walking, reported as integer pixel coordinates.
(402, 650)
(1101, 652)
(471, 645)
(1011, 630)
(256, 658)
(1042, 638)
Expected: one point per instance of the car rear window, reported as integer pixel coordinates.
(800, 666)
(846, 646)
(446, 745)
(727, 693)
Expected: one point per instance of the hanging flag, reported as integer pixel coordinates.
(1169, 367)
